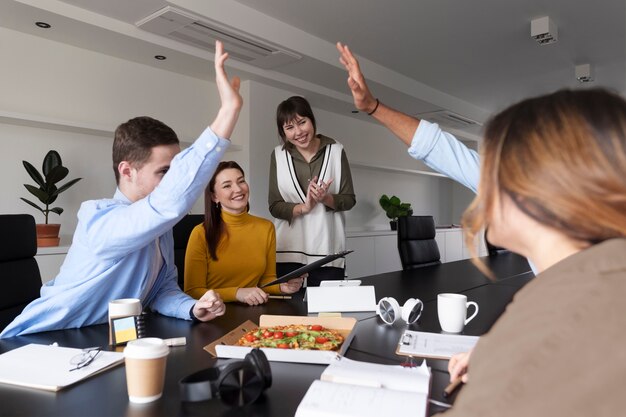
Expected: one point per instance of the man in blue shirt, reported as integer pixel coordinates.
(426, 141)
(123, 247)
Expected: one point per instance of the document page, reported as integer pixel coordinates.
(434, 345)
(331, 399)
(354, 388)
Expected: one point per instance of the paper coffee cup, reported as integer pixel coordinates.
(145, 369)
(123, 307)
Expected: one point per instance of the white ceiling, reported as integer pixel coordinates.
(470, 57)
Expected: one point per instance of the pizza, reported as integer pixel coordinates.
(294, 336)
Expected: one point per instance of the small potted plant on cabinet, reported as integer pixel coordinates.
(46, 191)
(394, 208)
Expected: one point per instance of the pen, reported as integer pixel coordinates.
(280, 297)
(451, 387)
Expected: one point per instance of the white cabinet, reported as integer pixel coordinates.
(376, 252)
(51, 258)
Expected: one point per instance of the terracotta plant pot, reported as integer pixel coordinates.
(48, 235)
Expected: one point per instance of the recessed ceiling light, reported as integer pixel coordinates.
(43, 25)
(160, 57)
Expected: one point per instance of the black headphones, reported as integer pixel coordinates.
(236, 383)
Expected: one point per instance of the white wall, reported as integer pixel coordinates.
(364, 142)
(67, 85)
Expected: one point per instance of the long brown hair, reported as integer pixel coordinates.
(214, 227)
(561, 158)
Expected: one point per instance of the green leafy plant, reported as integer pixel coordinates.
(394, 208)
(46, 189)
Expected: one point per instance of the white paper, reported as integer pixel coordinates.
(434, 345)
(353, 388)
(48, 367)
(331, 399)
(340, 299)
(393, 377)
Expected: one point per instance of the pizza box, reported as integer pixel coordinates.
(225, 346)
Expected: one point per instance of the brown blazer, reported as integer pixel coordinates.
(560, 347)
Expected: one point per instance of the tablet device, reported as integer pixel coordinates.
(307, 268)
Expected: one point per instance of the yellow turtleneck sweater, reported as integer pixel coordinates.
(246, 257)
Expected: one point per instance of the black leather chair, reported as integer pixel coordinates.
(19, 273)
(416, 242)
(493, 250)
(181, 231)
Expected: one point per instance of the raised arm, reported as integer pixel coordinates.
(400, 124)
(227, 116)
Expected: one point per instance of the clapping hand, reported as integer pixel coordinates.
(319, 189)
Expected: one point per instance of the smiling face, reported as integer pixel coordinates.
(231, 191)
(137, 181)
(300, 132)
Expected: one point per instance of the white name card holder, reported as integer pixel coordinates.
(340, 299)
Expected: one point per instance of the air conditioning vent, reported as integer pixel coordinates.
(448, 118)
(202, 33)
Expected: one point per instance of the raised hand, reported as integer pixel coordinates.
(231, 100)
(363, 98)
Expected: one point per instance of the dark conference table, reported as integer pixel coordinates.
(105, 394)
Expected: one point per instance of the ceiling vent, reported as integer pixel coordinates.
(448, 118)
(202, 32)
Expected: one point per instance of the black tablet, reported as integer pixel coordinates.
(308, 268)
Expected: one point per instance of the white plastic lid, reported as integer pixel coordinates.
(147, 348)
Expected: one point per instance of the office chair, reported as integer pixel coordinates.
(181, 231)
(19, 272)
(416, 242)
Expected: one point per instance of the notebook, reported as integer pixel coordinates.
(47, 367)
(351, 388)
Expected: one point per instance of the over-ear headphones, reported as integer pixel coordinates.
(389, 310)
(236, 383)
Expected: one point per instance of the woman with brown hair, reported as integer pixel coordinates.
(310, 189)
(232, 252)
(553, 188)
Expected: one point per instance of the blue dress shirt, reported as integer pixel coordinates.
(114, 246)
(444, 153)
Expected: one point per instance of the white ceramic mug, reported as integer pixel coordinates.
(452, 311)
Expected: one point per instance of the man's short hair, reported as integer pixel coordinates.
(135, 139)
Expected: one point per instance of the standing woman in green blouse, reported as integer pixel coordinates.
(310, 188)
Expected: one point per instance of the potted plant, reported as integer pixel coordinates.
(46, 191)
(394, 208)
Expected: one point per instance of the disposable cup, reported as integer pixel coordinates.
(145, 369)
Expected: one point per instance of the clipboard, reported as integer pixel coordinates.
(308, 268)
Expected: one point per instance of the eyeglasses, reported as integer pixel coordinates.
(85, 358)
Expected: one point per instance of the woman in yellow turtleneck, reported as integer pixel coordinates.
(232, 252)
